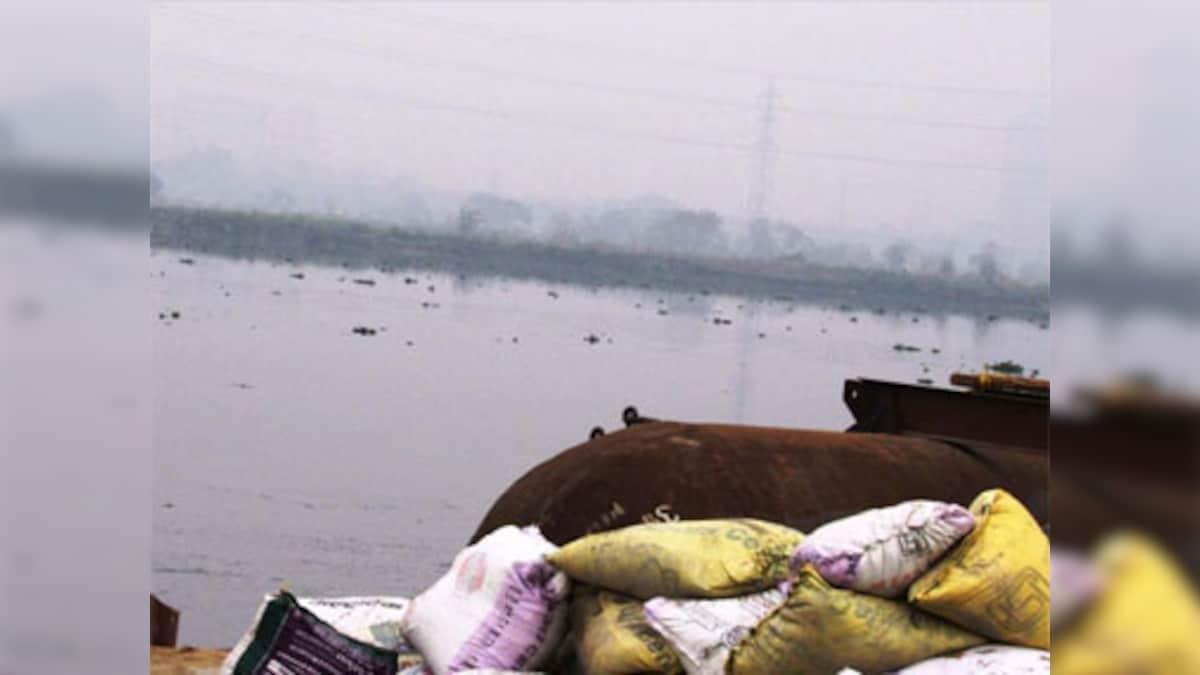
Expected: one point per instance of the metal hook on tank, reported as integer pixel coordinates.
(630, 416)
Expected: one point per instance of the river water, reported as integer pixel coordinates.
(291, 450)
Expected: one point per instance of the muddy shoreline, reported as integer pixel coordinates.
(185, 660)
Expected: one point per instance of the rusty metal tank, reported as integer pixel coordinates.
(667, 470)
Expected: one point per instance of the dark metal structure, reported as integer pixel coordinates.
(164, 623)
(935, 445)
(1129, 463)
(973, 418)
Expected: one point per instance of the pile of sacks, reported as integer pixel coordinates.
(921, 587)
(1125, 607)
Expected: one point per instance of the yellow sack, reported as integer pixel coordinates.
(683, 559)
(612, 636)
(996, 580)
(822, 629)
(1145, 620)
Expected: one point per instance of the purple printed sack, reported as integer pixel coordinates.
(882, 551)
(501, 606)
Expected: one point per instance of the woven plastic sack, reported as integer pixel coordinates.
(285, 637)
(881, 551)
(704, 632)
(501, 606)
(1145, 619)
(374, 620)
(612, 636)
(689, 558)
(996, 582)
(822, 629)
(986, 660)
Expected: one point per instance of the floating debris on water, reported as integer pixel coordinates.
(722, 321)
(924, 380)
(901, 347)
(552, 294)
(409, 281)
(1006, 367)
(297, 275)
(365, 282)
(187, 261)
(591, 338)
(363, 330)
(663, 312)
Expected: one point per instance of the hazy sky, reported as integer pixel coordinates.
(930, 118)
(73, 80)
(1127, 98)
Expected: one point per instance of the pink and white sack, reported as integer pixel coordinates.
(882, 551)
(501, 606)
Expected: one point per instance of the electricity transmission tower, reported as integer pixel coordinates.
(763, 153)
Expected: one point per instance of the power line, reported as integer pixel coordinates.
(496, 33)
(914, 122)
(528, 118)
(392, 54)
